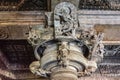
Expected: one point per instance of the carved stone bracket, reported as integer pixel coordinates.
(74, 50)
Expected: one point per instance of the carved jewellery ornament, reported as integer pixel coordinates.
(73, 51)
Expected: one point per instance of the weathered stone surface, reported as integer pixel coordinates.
(108, 70)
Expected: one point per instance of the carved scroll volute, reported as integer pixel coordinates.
(65, 20)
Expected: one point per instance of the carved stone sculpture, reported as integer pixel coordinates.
(69, 55)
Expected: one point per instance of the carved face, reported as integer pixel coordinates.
(65, 11)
